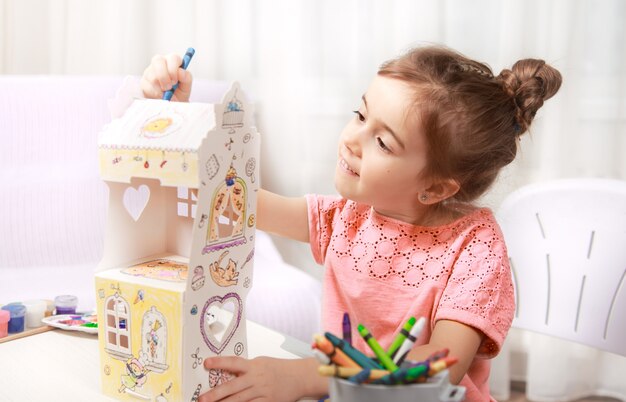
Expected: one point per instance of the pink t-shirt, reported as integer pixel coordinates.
(382, 271)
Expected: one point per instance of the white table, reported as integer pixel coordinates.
(64, 365)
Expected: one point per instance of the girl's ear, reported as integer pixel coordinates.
(439, 191)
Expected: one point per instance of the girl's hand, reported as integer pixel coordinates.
(161, 75)
(262, 379)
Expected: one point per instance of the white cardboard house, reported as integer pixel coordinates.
(179, 244)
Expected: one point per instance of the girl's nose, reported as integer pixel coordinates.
(352, 141)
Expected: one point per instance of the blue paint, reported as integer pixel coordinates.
(16, 322)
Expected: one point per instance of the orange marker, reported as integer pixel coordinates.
(336, 355)
(441, 364)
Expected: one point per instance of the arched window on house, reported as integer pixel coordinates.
(117, 327)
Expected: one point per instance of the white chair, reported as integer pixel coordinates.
(567, 247)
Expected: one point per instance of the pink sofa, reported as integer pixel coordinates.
(53, 202)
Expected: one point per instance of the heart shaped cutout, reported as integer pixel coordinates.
(135, 200)
(217, 323)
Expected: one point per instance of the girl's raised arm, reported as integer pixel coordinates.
(283, 216)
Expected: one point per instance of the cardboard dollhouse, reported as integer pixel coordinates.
(179, 244)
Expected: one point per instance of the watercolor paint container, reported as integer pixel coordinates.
(49, 308)
(35, 310)
(65, 304)
(16, 323)
(5, 316)
(436, 389)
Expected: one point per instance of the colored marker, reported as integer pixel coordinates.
(406, 346)
(421, 371)
(438, 355)
(441, 365)
(436, 367)
(334, 353)
(320, 356)
(404, 332)
(360, 377)
(403, 375)
(347, 372)
(380, 353)
(347, 328)
(358, 357)
(167, 95)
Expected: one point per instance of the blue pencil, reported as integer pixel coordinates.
(167, 95)
(358, 357)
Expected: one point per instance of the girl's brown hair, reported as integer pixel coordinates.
(472, 119)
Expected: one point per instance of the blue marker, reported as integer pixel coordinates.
(361, 376)
(358, 357)
(167, 95)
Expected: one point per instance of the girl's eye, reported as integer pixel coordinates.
(359, 115)
(382, 145)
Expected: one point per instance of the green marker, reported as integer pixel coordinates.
(382, 356)
(415, 372)
(404, 332)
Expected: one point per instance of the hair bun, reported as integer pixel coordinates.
(529, 83)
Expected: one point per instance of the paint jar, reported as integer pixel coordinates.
(5, 316)
(65, 304)
(16, 322)
(35, 310)
(49, 308)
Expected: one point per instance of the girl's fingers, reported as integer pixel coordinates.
(165, 70)
(183, 92)
(159, 73)
(233, 364)
(149, 81)
(173, 62)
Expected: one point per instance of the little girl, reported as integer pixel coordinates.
(403, 238)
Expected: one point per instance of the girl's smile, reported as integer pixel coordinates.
(346, 167)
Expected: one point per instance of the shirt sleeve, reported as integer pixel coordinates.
(323, 212)
(479, 292)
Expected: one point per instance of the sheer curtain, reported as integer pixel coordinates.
(308, 62)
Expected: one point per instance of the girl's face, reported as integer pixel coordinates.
(382, 151)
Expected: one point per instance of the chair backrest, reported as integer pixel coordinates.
(567, 246)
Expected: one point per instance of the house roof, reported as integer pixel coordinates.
(152, 124)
